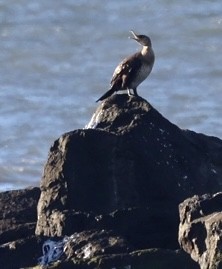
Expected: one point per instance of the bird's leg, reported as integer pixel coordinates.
(129, 93)
(135, 92)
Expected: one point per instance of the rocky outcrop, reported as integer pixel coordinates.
(18, 211)
(18, 215)
(92, 250)
(21, 253)
(200, 231)
(129, 156)
(110, 192)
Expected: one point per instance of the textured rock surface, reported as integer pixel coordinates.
(129, 157)
(18, 213)
(114, 187)
(20, 253)
(93, 250)
(148, 258)
(200, 232)
(89, 244)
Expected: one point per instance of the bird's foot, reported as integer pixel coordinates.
(129, 93)
(132, 94)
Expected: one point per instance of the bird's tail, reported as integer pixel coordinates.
(107, 94)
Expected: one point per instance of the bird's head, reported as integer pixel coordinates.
(142, 39)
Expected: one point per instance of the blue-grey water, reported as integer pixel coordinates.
(57, 58)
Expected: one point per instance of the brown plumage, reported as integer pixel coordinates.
(132, 70)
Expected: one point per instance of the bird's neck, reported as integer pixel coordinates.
(145, 50)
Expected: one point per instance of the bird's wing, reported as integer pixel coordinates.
(124, 71)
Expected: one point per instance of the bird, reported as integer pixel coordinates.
(133, 70)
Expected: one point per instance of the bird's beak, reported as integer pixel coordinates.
(134, 36)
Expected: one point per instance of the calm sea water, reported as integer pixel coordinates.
(57, 58)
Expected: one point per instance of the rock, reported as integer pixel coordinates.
(147, 258)
(20, 253)
(129, 156)
(93, 250)
(200, 230)
(110, 193)
(141, 226)
(90, 244)
(18, 211)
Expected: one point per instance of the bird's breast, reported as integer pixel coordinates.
(141, 74)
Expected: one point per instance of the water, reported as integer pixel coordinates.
(57, 58)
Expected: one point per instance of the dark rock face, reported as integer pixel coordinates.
(18, 213)
(103, 249)
(89, 244)
(112, 190)
(200, 232)
(20, 253)
(129, 156)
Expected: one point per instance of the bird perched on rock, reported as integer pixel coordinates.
(132, 70)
